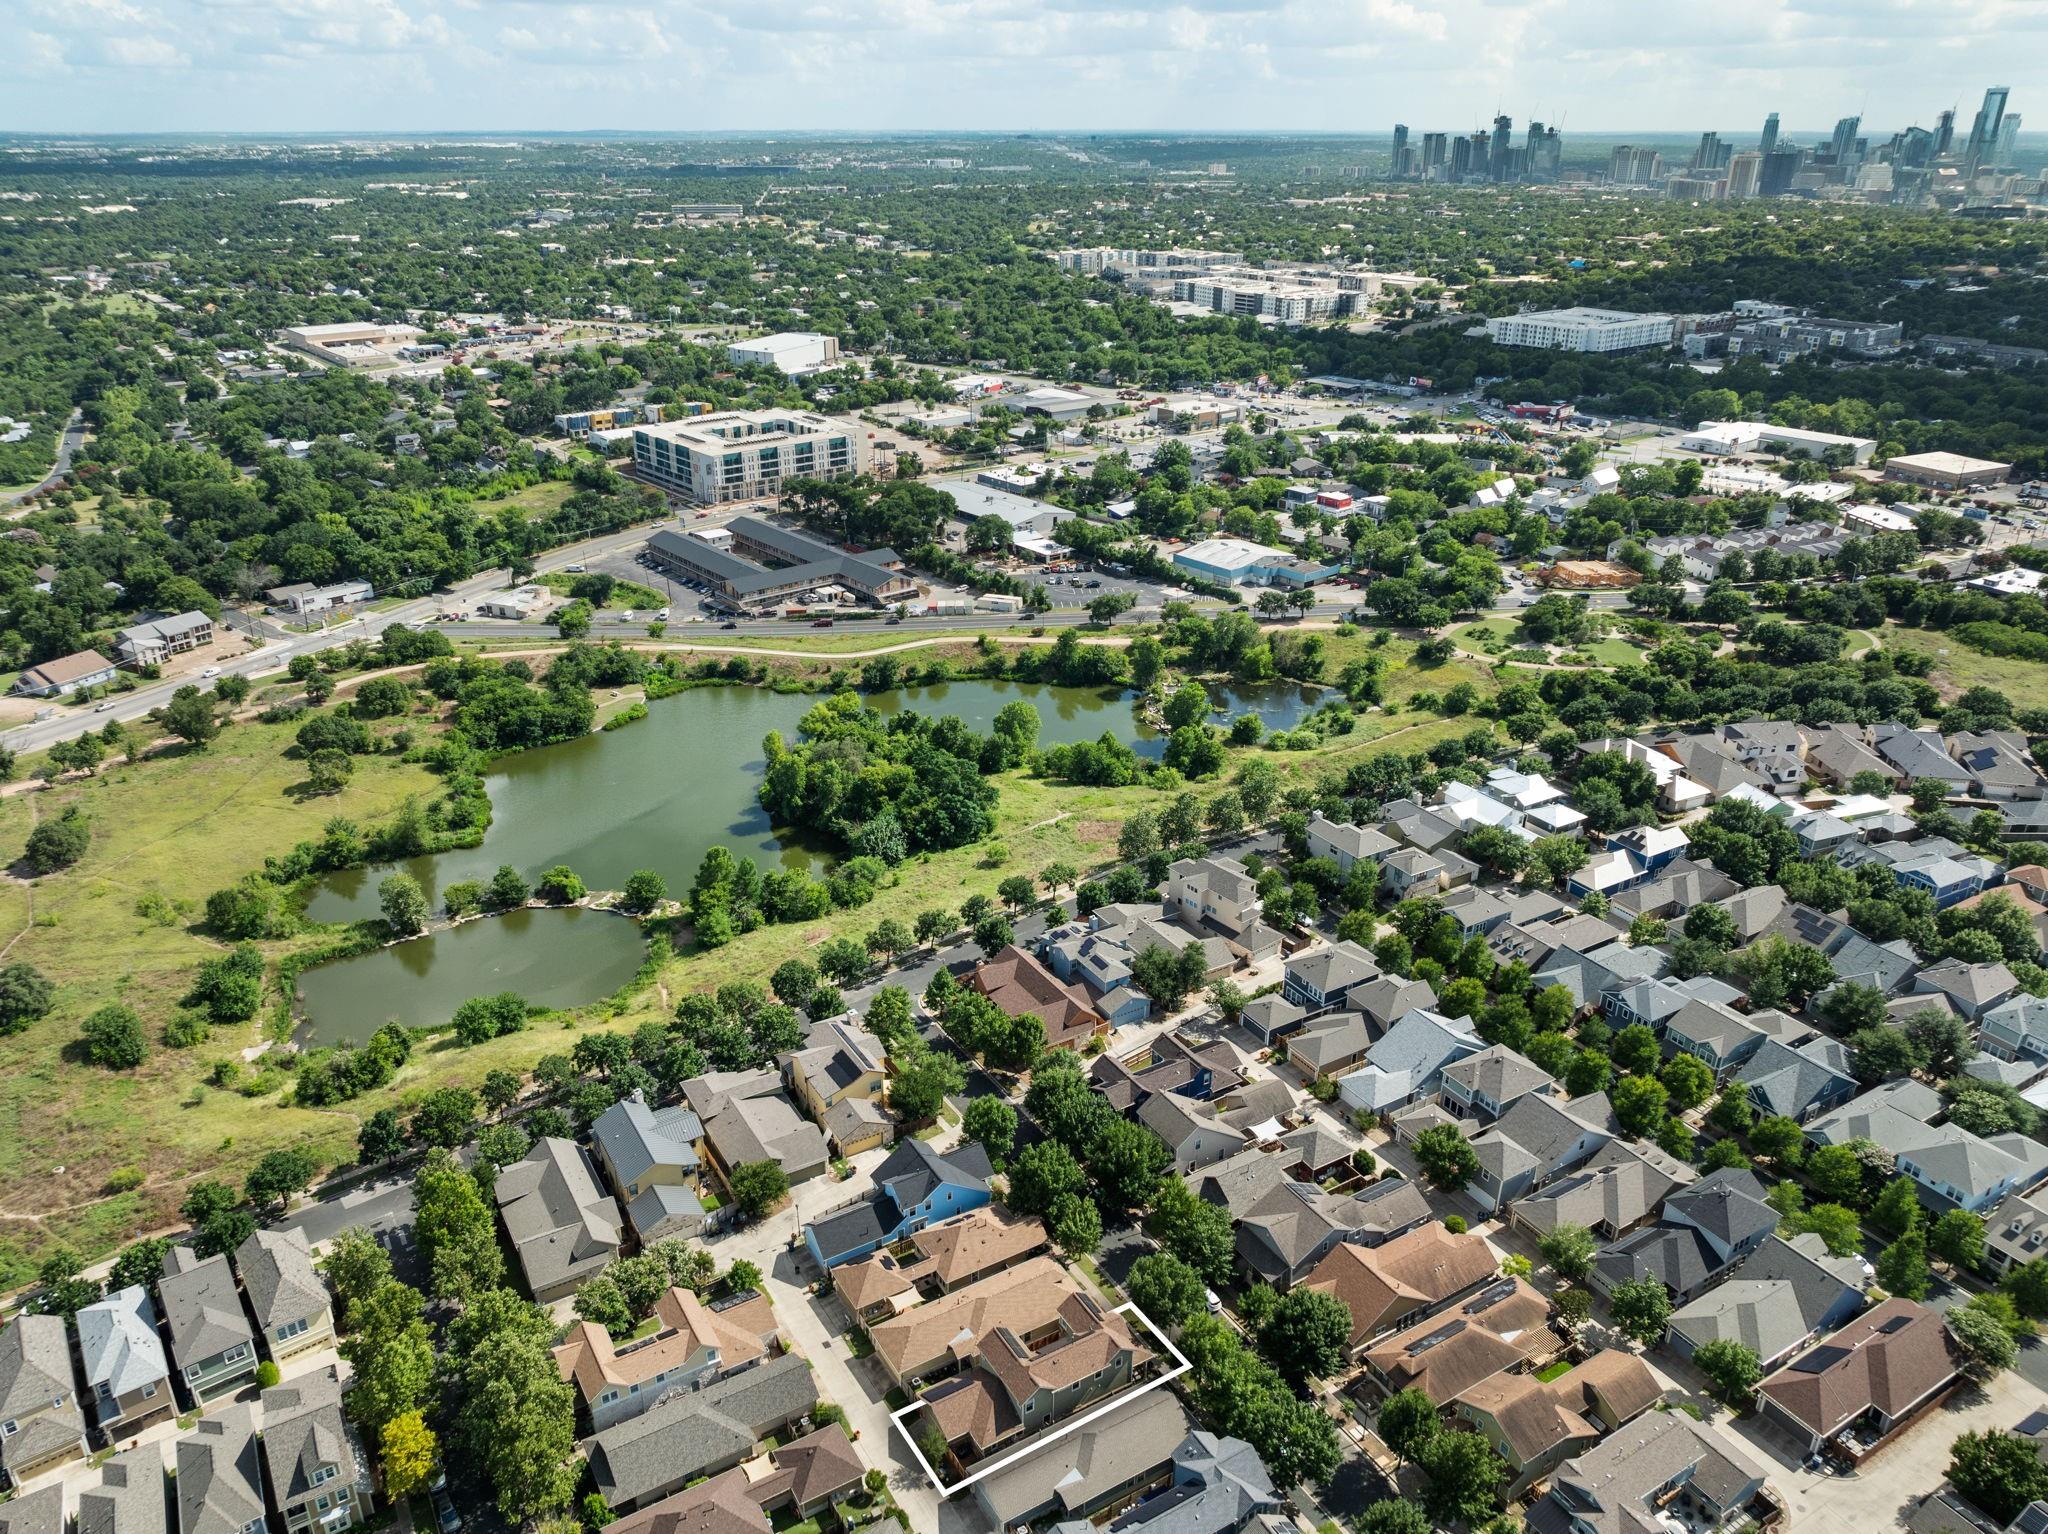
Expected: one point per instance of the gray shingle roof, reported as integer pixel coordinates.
(219, 1486)
(558, 1217)
(39, 1512)
(35, 1365)
(302, 1431)
(278, 1275)
(1775, 1299)
(202, 1307)
(636, 1139)
(129, 1498)
(117, 1338)
(674, 1440)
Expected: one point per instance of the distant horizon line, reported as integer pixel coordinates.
(717, 134)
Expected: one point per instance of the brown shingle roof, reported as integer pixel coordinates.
(1381, 1284)
(1891, 1357)
(952, 1251)
(1023, 1298)
(1448, 1354)
(592, 1360)
(1018, 983)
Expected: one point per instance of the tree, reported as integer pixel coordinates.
(1393, 1515)
(991, 1123)
(1902, 1266)
(1731, 1369)
(517, 1423)
(1464, 1476)
(1688, 1081)
(1193, 1229)
(328, 770)
(404, 904)
(409, 1452)
(278, 1175)
(482, 1018)
(190, 716)
(25, 997)
(1407, 1422)
(992, 934)
(1307, 1335)
(58, 843)
(1166, 1289)
(1998, 1472)
(1043, 1174)
(391, 1353)
(2027, 1284)
(1569, 1251)
(1943, 1040)
(1642, 1309)
(1986, 1343)
(1639, 1103)
(453, 1230)
(758, 1186)
(508, 888)
(1124, 1161)
(560, 885)
(1075, 1224)
(1897, 1209)
(1446, 1156)
(112, 1038)
(1169, 978)
(1838, 1228)
(141, 1263)
(1957, 1238)
(381, 1137)
(444, 1117)
(924, 1079)
(355, 1265)
(1779, 1138)
(645, 889)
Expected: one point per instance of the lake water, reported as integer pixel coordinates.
(655, 794)
(420, 983)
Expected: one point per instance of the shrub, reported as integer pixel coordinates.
(57, 844)
(112, 1038)
(487, 1017)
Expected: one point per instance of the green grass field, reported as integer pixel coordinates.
(534, 501)
(1958, 667)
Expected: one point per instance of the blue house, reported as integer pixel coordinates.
(915, 1187)
(1655, 847)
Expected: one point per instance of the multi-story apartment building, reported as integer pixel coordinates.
(1581, 329)
(741, 455)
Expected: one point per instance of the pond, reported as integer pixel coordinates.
(660, 793)
(420, 983)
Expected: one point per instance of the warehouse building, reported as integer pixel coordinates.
(792, 351)
(1946, 471)
(743, 455)
(761, 566)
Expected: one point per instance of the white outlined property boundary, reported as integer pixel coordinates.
(1180, 1367)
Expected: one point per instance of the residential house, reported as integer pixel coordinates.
(1218, 1486)
(1476, 910)
(1895, 1115)
(1486, 1085)
(1797, 1083)
(290, 1300)
(1771, 747)
(1201, 1072)
(933, 1340)
(1821, 834)
(2020, 899)
(1838, 753)
(649, 1157)
(1504, 1327)
(1676, 889)
(317, 1479)
(1919, 754)
(563, 1227)
(1271, 1017)
(1702, 1233)
(2016, 1028)
(1789, 1293)
(1712, 1033)
(1240, 1183)
(1015, 1382)
(1959, 1170)
(219, 1483)
(1872, 1375)
(915, 1186)
(1114, 1460)
(1410, 873)
(1397, 1283)
(2016, 1233)
(692, 1344)
(1215, 895)
(64, 675)
(1666, 1464)
(1971, 990)
(1322, 979)
(1535, 1425)
(804, 1480)
(1415, 825)
(1676, 792)
(156, 640)
(747, 1118)
(1261, 1109)
(211, 1342)
(1384, 1001)
(40, 1425)
(1193, 1131)
(1099, 950)
(1589, 974)
(1999, 764)
(1334, 1045)
(1654, 1002)
(1655, 847)
(937, 1260)
(1346, 845)
(1408, 1061)
(129, 1496)
(1624, 1185)
(127, 1379)
(35, 1512)
(841, 1065)
(1019, 984)
(1287, 1231)
(696, 1433)
(1536, 1141)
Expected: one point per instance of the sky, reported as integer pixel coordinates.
(1348, 66)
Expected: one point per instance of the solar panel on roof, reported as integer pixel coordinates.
(1896, 1323)
(1820, 1360)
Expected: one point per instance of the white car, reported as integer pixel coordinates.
(211, 671)
(626, 616)
(662, 616)
(101, 708)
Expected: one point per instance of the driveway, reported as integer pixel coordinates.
(382, 1208)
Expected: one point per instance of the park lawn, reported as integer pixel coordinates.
(178, 826)
(853, 639)
(1957, 667)
(1477, 636)
(1615, 652)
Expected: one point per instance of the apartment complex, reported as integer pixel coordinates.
(740, 455)
(1581, 329)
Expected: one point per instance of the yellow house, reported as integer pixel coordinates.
(837, 1078)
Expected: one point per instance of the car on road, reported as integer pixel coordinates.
(100, 708)
(821, 623)
(445, 1514)
(728, 624)
(211, 671)
(661, 616)
(573, 569)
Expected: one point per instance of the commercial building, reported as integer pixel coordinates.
(1581, 329)
(304, 597)
(1946, 471)
(791, 351)
(351, 343)
(65, 675)
(1762, 437)
(764, 565)
(740, 455)
(577, 425)
(1239, 562)
(155, 641)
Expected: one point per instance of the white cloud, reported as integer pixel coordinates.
(142, 52)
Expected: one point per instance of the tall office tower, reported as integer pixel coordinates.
(1461, 157)
(1769, 141)
(1553, 151)
(1984, 131)
(1780, 166)
(1914, 148)
(1945, 133)
(1532, 151)
(2008, 136)
(1481, 158)
(1497, 152)
(1617, 164)
(1400, 149)
(1745, 174)
(1708, 155)
(1843, 144)
(1433, 155)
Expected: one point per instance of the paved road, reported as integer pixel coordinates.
(68, 446)
(382, 1208)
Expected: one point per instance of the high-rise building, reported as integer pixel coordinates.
(1400, 149)
(2008, 137)
(1497, 153)
(1482, 161)
(1779, 167)
(1461, 157)
(1945, 133)
(1745, 174)
(1914, 148)
(1434, 155)
(1843, 144)
(1769, 141)
(1984, 131)
(1553, 151)
(1708, 155)
(1631, 166)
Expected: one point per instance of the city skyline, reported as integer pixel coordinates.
(231, 66)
